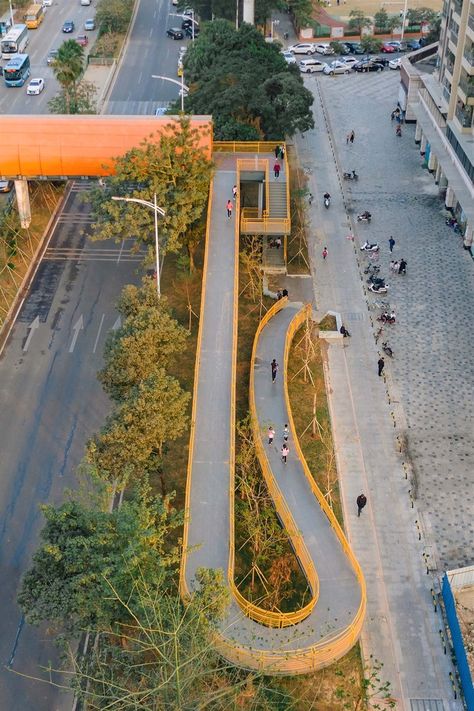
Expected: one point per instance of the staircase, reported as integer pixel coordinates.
(273, 258)
(277, 198)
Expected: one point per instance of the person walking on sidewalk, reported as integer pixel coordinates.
(361, 502)
(274, 366)
(325, 252)
(234, 192)
(351, 137)
(391, 243)
(276, 169)
(271, 434)
(286, 433)
(284, 452)
(229, 208)
(381, 365)
(402, 267)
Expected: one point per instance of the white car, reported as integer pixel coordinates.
(324, 48)
(308, 66)
(303, 48)
(288, 57)
(35, 87)
(395, 63)
(47, 3)
(337, 67)
(350, 61)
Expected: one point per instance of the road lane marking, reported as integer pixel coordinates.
(121, 250)
(31, 328)
(78, 326)
(98, 333)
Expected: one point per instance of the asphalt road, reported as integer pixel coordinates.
(49, 35)
(50, 404)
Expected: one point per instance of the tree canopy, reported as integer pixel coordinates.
(176, 169)
(358, 20)
(245, 83)
(68, 67)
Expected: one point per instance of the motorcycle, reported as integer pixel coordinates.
(387, 350)
(364, 217)
(370, 247)
(327, 202)
(350, 176)
(378, 289)
(378, 281)
(387, 318)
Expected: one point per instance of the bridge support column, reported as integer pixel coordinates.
(23, 202)
(249, 12)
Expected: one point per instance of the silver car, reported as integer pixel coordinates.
(308, 66)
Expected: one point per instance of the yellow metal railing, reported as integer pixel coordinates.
(245, 146)
(250, 220)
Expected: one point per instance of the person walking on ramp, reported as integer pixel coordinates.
(274, 366)
(229, 208)
(284, 452)
(271, 434)
(361, 502)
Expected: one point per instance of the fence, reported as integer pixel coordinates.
(458, 643)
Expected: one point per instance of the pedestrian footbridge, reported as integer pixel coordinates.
(251, 637)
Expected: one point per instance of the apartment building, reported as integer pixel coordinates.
(441, 102)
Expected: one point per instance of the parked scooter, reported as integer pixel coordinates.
(364, 216)
(386, 317)
(374, 279)
(378, 289)
(387, 350)
(370, 247)
(372, 269)
(350, 176)
(327, 200)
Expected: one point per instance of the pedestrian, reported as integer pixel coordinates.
(392, 264)
(310, 198)
(381, 365)
(278, 242)
(234, 192)
(285, 293)
(271, 434)
(274, 366)
(279, 295)
(345, 333)
(347, 138)
(276, 169)
(351, 137)
(361, 502)
(286, 433)
(396, 266)
(398, 130)
(284, 452)
(277, 150)
(229, 208)
(402, 267)
(282, 152)
(325, 252)
(391, 243)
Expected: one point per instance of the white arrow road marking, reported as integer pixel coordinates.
(117, 324)
(32, 327)
(78, 326)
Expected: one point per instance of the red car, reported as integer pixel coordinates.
(83, 40)
(388, 48)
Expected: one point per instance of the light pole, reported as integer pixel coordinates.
(175, 81)
(186, 17)
(153, 206)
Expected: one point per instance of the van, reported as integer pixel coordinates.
(85, 2)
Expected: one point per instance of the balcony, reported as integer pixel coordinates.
(470, 21)
(466, 84)
(469, 56)
(464, 115)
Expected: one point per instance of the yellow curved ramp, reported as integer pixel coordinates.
(249, 636)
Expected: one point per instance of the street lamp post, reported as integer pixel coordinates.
(181, 83)
(186, 17)
(153, 206)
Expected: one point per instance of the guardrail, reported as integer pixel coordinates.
(245, 146)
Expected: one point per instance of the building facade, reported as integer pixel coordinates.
(442, 105)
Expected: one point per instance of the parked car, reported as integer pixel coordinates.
(35, 87)
(400, 45)
(381, 59)
(413, 44)
(6, 186)
(337, 67)
(89, 25)
(345, 46)
(52, 54)
(47, 3)
(68, 26)
(309, 66)
(175, 33)
(368, 66)
(288, 57)
(387, 48)
(85, 2)
(395, 63)
(324, 48)
(355, 47)
(350, 61)
(423, 41)
(303, 48)
(83, 40)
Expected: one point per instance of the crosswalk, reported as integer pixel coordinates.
(92, 254)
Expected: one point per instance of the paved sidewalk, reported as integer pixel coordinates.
(401, 628)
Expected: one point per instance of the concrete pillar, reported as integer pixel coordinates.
(260, 199)
(418, 133)
(423, 145)
(249, 12)
(450, 197)
(469, 235)
(443, 181)
(23, 202)
(438, 174)
(432, 161)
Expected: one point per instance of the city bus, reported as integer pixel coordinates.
(17, 71)
(34, 16)
(14, 41)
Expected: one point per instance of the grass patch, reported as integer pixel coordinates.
(108, 45)
(297, 247)
(328, 323)
(18, 246)
(307, 391)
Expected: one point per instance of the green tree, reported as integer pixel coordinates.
(84, 550)
(113, 15)
(82, 101)
(246, 85)
(371, 44)
(359, 21)
(146, 342)
(381, 19)
(134, 435)
(435, 30)
(393, 23)
(415, 16)
(302, 12)
(67, 68)
(176, 169)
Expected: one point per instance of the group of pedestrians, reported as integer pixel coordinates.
(279, 155)
(284, 451)
(230, 203)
